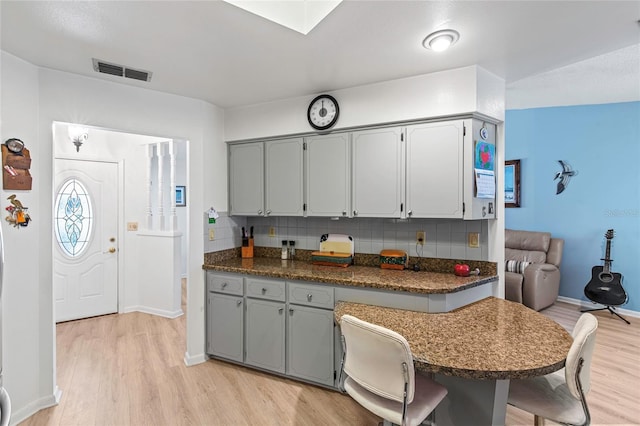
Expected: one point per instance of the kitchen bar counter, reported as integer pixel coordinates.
(489, 339)
(474, 351)
(354, 276)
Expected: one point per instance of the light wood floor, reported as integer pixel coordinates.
(128, 370)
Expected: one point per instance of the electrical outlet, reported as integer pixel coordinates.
(132, 226)
(212, 234)
(474, 239)
(421, 237)
(272, 231)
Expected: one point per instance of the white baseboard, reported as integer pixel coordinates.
(589, 305)
(154, 311)
(190, 360)
(18, 416)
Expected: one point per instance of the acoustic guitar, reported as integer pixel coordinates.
(605, 286)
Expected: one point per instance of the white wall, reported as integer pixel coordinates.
(459, 91)
(27, 315)
(32, 100)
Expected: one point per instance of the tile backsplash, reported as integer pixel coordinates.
(445, 238)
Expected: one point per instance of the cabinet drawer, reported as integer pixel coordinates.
(311, 295)
(221, 283)
(265, 289)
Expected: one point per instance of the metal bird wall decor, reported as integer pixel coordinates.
(564, 176)
(18, 215)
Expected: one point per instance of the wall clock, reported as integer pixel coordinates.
(323, 112)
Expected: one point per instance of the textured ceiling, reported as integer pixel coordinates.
(214, 51)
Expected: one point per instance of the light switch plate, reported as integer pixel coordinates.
(474, 239)
(272, 231)
(212, 234)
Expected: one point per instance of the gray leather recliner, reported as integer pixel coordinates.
(538, 285)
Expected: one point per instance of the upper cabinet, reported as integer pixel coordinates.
(246, 179)
(284, 189)
(377, 173)
(434, 170)
(327, 172)
(266, 178)
(425, 170)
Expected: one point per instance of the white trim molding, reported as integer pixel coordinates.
(589, 305)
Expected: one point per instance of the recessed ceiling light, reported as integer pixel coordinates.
(441, 40)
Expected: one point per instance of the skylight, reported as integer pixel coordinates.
(299, 15)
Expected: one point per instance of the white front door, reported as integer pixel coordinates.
(85, 226)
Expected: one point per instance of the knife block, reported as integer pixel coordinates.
(247, 251)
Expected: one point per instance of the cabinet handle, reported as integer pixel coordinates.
(355, 212)
(239, 302)
(290, 311)
(264, 290)
(344, 212)
(259, 212)
(410, 212)
(268, 213)
(280, 310)
(309, 297)
(224, 285)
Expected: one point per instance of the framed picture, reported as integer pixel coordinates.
(181, 196)
(512, 183)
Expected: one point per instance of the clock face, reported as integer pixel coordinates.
(323, 112)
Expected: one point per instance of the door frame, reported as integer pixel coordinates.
(121, 245)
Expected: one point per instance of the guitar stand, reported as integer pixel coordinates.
(610, 309)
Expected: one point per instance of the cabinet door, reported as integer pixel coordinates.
(310, 340)
(284, 178)
(434, 170)
(246, 179)
(327, 172)
(264, 334)
(377, 173)
(225, 326)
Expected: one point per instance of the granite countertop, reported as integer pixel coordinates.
(356, 276)
(489, 339)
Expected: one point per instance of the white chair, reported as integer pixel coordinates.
(377, 369)
(5, 407)
(559, 396)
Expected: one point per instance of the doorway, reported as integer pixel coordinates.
(130, 156)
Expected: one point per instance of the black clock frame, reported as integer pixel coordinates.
(335, 119)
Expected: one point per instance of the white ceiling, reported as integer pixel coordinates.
(214, 51)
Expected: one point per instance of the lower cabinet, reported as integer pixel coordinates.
(273, 325)
(225, 325)
(310, 344)
(265, 334)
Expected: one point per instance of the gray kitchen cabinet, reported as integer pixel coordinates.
(246, 179)
(435, 170)
(310, 332)
(265, 334)
(284, 177)
(328, 175)
(378, 172)
(310, 344)
(225, 314)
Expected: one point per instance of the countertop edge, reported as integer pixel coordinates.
(350, 282)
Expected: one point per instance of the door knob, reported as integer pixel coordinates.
(112, 249)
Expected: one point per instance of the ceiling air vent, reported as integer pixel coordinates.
(120, 70)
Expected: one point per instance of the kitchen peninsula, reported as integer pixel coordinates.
(281, 316)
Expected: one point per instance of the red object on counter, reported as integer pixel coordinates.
(462, 270)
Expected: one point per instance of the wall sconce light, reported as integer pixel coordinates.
(441, 40)
(78, 135)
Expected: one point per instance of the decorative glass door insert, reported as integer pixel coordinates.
(73, 220)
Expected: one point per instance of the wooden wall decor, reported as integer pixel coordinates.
(16, 162)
